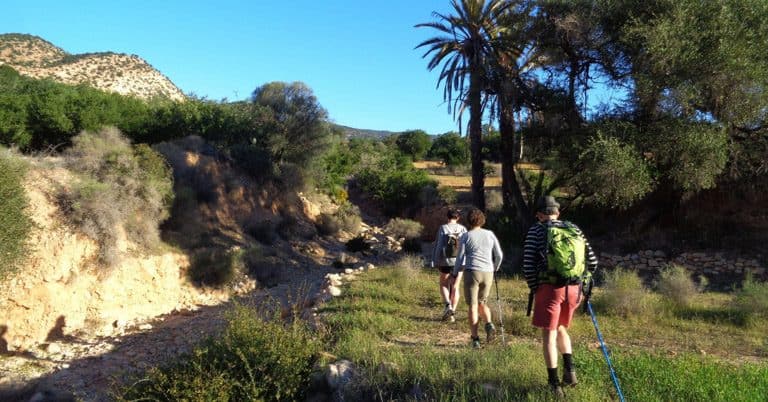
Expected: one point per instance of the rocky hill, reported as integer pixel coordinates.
(125, 74)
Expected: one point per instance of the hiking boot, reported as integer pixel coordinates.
(475, 343)
(569, 378)
(447, 313)
(490, 332)
(557, 391)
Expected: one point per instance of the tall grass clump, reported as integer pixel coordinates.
(751, 301)
(624, 294)
(15, 222)
(255, 359)
(676, 285)
(120, 191)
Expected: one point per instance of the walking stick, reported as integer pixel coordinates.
(530, 303)
(498, 303)
(605, 351)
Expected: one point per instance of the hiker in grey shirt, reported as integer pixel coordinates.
(444, 258)
(480, 256)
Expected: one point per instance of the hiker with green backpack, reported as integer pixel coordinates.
(557, 262)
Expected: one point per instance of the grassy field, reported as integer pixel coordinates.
(387, 322)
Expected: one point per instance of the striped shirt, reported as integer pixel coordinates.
(535, 249)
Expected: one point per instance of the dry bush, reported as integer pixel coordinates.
(624, 294)
(262, 230)
(404, 228)
(357, 244)
(215, 267)
(346, 218)
(412, 245)
(266, 269)
(676, 285)
(120, 188)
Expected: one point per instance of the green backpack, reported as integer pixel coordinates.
(565, 254)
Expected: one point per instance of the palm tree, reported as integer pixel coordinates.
(514, 53)
(463, 49)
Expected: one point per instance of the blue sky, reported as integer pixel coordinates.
(357, 56)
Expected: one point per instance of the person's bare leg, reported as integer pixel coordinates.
(485, 311)
(563, 341)
(549, 338)
(445, 287)
(455, 292)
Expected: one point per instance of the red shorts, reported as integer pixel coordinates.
(550, 309)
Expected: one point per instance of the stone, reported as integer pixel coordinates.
(53, 348)
(145, 327)
(339, 374)
(370, 266)
(334, 291)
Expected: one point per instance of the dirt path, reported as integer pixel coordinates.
(86, 368)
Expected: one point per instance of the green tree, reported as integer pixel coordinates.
(451, 148)
(415, 143)
(463, 49)
(293, 124)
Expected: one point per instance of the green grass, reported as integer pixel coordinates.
(387, 322)
(255, 359)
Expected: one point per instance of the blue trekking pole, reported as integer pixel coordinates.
(605, 351)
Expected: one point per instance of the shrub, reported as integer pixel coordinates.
(412, 245)
(751, 301)
(15, 222)
(346, 218)
(406, 228)
(676, 284)
(255, 359)
(494, 201)
(262, 231)
(624, 294)
(447, 194)
(357, 244)
(120, 188)
(266, 269)
(215, 267)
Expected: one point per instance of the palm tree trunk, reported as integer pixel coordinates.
(514, 201)
(476, 141)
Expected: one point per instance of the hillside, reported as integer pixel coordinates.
(115, 72)
(350, 132)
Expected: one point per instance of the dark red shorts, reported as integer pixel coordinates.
(445, 270)
(550, 309)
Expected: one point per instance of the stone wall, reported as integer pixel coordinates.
(712, 265)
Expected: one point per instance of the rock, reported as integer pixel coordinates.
(53, 348)
(349, 271)
(370, 266)
(334, 291)
(339, 374)
(145, 327)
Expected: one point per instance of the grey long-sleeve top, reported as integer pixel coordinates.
(438, 259)
(479, 250)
